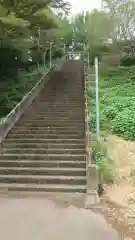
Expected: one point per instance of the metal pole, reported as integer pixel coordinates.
(50, 54)
(44, 58)
(64, 49)
(88, 60)
(97, 101)
(38, 65)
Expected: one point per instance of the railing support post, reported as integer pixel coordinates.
(92, 197)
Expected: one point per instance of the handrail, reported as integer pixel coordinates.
(87, 128)
(8, 122)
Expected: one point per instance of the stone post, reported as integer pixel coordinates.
(92, 197)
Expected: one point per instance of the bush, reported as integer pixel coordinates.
(124, 124)
(117, 101)
(104, 163)
(110, 113)
(14, 91)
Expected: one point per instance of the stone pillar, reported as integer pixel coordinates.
(92, 197)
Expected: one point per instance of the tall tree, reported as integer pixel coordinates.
(123, 14)
(22, 23)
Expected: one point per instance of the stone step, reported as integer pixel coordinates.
(67, 95)
(49, 136)
(56, 105)
(63, 91)
(54, 112)
(57, 113)
(70, 180)
(48, 125)
(44, 140)
(49, 106)
(48, 131)
(58, 97)
(56, 88)
(71, 128)
(45, 171)
(70, 116)
(60, 102)
(38, 163)
(45, 117)
(42, 188)
(57, 118)
(52, 120)
(45, 157)
(78, 99)
(42, 151)
(44, 145)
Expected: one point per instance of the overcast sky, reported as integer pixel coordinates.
(84, 5)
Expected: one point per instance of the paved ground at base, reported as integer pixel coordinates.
(43, 219)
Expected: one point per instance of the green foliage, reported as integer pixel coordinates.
(124, 123)
(27, 27)
(45, 18)
(14, 91)
(127, 48)
(117, 101)
(105, 164)
(110, 113)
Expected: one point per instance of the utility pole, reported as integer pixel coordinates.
(97, 101)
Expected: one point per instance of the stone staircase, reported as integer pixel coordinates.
(45, 150)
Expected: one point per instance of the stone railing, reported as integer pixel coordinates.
(92, 197)
(8, 122)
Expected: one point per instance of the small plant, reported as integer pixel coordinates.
(105, 164)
